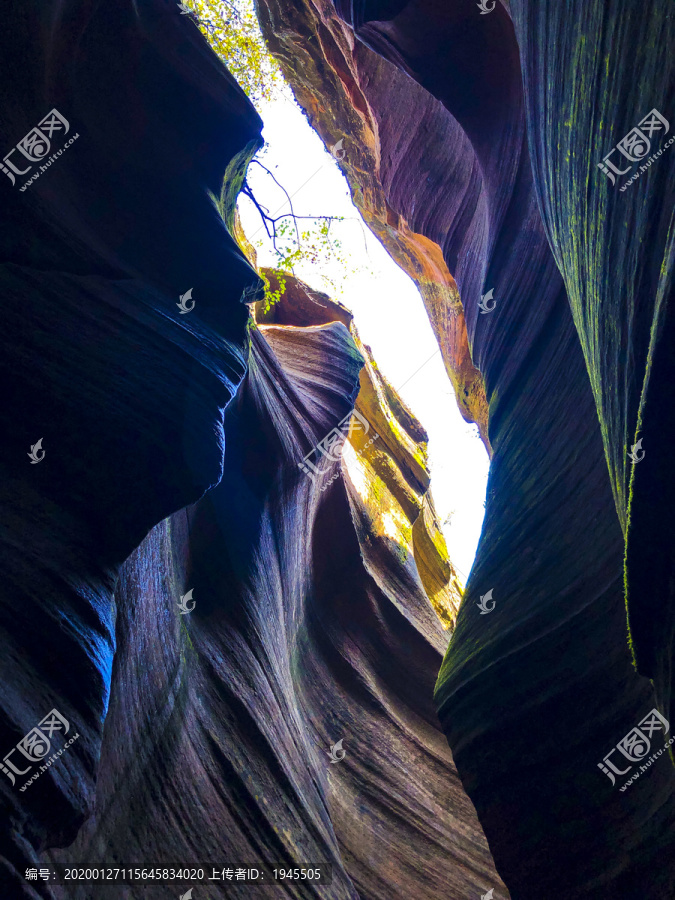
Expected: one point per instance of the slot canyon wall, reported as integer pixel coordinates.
(483, 130)
(166, 431)
(311, 623)
(188, 620)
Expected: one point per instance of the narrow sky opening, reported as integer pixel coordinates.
(388, 310)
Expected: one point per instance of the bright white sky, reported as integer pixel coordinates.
(388, 313)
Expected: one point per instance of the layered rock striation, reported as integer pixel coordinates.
(170, 449)
(489, 129)
(117, 126)
(311, 625)
(384, 150)
(391, 476)
(201, 618)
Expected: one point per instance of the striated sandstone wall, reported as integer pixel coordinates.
(390, 472)
(172, 444)
(501, 119)
(311, 625)
(171, 437)
(124, 393)
(339, 85)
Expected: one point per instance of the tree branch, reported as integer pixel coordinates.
(266, 217)
(288, 197)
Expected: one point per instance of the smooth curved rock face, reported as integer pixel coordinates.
(123, 392)
(535, 694)
(617, 263)
(353, 100)
(389, 466)
(311, 626)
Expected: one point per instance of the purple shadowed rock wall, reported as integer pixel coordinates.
(308, 627)
(123, 393)
(204, 735)
(535, 695)
(312, 607)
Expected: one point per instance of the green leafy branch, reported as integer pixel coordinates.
(232, 29)
(313, 245)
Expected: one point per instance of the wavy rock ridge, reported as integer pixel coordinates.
(391, 476)
(124, 393)
(203, 733)
(206, 735)
(311, 624)
(339, 84)
(489, 131)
